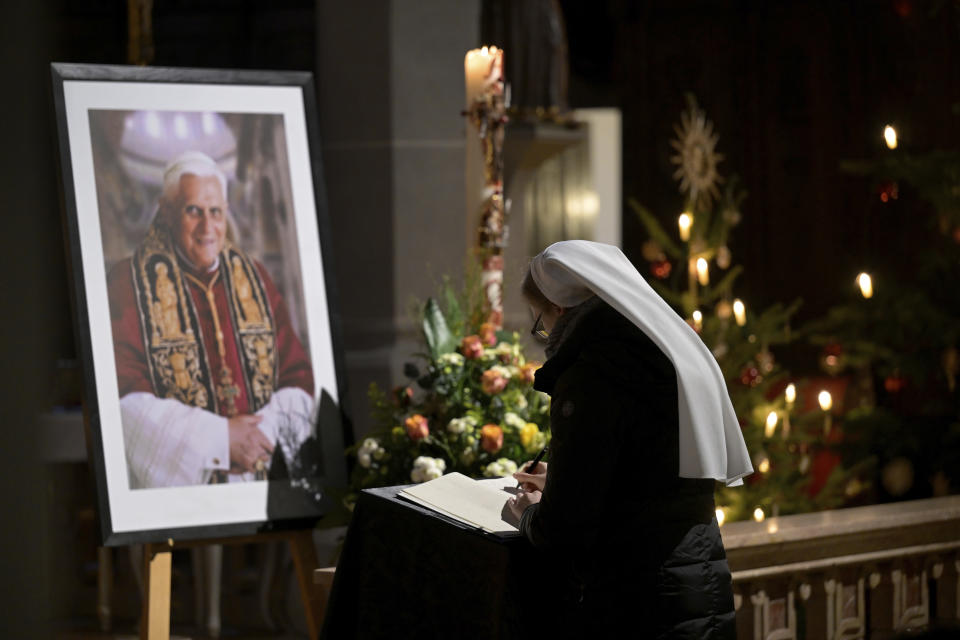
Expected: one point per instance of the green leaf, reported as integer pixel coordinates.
(657, 233)
(435, 330)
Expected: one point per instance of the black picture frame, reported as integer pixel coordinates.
(332, 425)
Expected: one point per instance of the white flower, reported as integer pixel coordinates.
(500, 468)
(513, 420)
(457, 425)
(489, 354)
(370, 449)
(427, 468)
(468, 456)
(505, 349)
(501, 371)
(452, 359)
(521, 401)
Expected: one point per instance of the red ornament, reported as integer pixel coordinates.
(903, 8)
(894, 383)
(661, 269)
(750, 376)
(888, 191)
(833, 349)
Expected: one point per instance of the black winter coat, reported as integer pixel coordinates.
(633, 550)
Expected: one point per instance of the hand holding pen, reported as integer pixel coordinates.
(530, 467)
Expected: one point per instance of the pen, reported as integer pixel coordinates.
(533, 464)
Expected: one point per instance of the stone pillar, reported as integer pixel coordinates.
(390, 92)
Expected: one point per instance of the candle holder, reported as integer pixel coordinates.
(487, 103)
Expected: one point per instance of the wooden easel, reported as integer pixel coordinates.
(155, 624)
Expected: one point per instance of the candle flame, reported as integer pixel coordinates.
(866, 284)
(698, 320)
(703, 273)
(721, 516)
(791, 393)
(740, 312)
(771, 424)
(758, 514)
(685, 222)
(890, 135)
(826, 400)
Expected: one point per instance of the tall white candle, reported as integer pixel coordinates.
(481, 67)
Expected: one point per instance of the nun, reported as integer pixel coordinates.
(623, 514)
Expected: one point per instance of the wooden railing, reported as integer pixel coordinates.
(865, 572)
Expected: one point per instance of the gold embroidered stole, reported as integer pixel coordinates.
(176, 354)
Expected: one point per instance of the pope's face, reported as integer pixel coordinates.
(199, 219)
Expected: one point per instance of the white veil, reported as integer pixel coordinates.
(711, 444)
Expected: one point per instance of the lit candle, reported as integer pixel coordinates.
(685, 222)
(739, 312)
(826, 400)
(890, 135)
(771, 424)
(866, 284)
(697, 320)
(758, 514)
(826, 403)
(703, 272)
(791, 394)
(481, 66)
(721, 516)
(764, 465)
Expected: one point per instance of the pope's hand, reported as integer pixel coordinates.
(519, 503)
(248, 445)
(533, 479)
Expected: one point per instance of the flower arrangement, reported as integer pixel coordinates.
(474, 409)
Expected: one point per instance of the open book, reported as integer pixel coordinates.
(476, 503)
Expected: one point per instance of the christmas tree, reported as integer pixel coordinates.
(696, 275)
(898, 336)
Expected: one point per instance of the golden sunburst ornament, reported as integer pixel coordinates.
(697, 157)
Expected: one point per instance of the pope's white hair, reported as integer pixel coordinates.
(194, 163)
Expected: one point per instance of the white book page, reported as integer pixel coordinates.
(478, 503)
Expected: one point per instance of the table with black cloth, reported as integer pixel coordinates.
(408, 572)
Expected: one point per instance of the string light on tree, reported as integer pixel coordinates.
(866, 284)
(790, 394)
(703, 272)
(685, 222)
(739, 312)
(890, 136)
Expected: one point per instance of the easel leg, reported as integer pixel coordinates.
(155, 623)
(305, 560)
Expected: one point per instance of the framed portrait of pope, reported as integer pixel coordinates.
(206, 317)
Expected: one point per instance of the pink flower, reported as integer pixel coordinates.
(491, 438)
(472, 347)
(493, 381)
(488, 334)
(417, 427)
